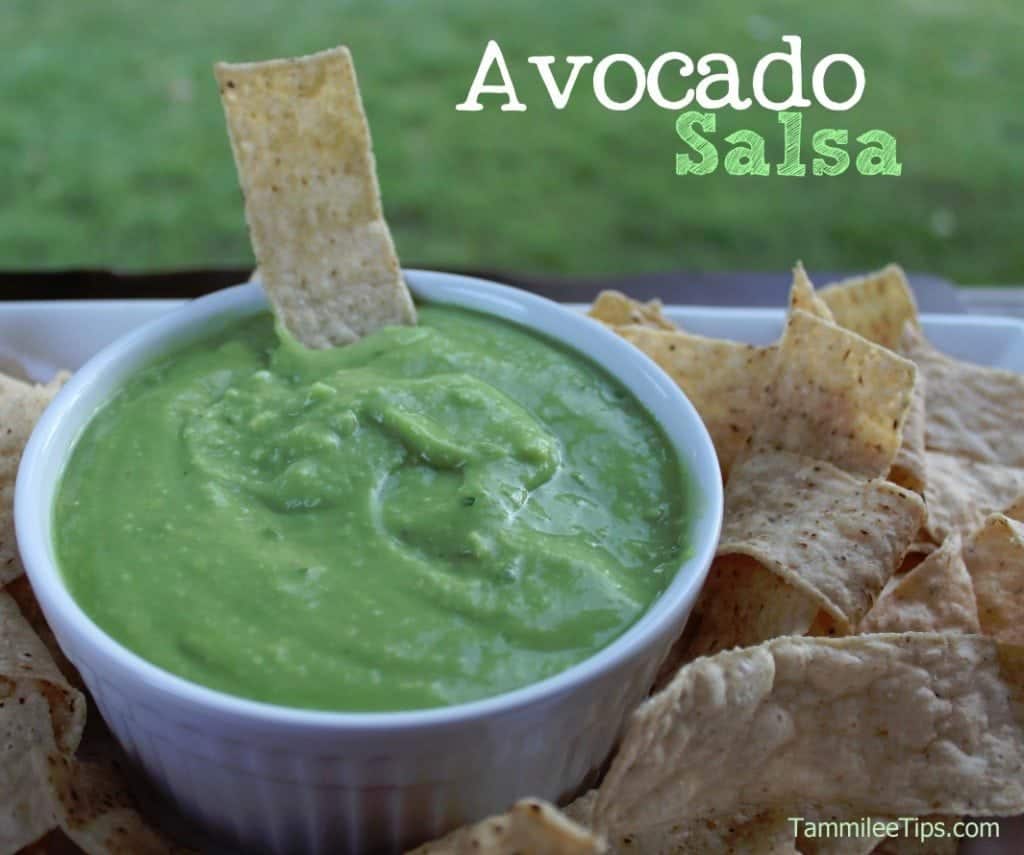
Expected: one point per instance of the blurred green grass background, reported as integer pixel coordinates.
(114, 150)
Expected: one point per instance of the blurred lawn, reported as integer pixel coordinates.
(114, 151)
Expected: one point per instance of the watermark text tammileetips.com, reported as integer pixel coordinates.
(913, 827)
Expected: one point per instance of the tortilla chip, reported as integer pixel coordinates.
(835, 397)
(21, 592)
(973, 411)
(26, 669)
(28, 751)
(531, 825)
(831, 535)
(741, 604)
(1015, 510)
(724, 380)
(616, 309)
(99, 813)
(79, 806)
(21, 405)
(42, 785)
(896, 724)
(802, 295)
(962, 492)
(305, 162)
(995, 560)
(41, 720)
(936, 596)
(876, 306)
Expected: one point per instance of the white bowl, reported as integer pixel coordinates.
(279, 779)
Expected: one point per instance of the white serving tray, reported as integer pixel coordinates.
(38, 339)
(45, 337)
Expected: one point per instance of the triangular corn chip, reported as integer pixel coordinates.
(97, 809)
(41, 721)
(21, 405)
(802, 295)
(995, 560)
(876, 306)
(26, 668)
(305, 163)
(962, 492)
(973, 411)
(616, 310)
(936, 596)
(28, 753)
(532, 825)
(21, 592)
(834, 536)
(835, 397)
(741, 604)
(893, 724)
(724, 380)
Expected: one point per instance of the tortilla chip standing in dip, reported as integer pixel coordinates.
(305, 162)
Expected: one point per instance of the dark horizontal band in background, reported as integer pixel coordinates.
(682, 288)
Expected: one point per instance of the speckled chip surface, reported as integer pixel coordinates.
(305, 163)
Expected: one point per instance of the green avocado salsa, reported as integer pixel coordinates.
(429, 516)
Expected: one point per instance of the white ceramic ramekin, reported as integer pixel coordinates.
(290, 780)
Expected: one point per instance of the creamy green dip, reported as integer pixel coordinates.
(432, 515)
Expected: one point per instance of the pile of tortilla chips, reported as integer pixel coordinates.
(858, 648)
